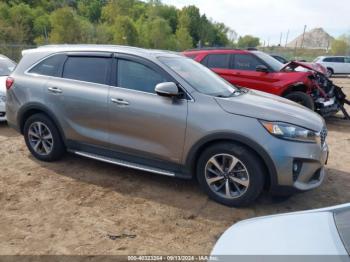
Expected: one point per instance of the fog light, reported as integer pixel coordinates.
(296, 169)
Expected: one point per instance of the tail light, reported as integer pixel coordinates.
(9, 82)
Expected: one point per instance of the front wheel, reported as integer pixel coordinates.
(329, 72)
(230, 174)
(302, 99)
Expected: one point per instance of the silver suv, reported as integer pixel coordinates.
(163, 113)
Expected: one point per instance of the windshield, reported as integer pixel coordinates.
(198, 76)
(342, 221)
(272, 62)
(6, 66)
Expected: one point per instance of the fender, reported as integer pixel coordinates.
(40, 108)
(254, 146)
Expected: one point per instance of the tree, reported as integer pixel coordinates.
(184, 40)
(65, 26)
(191, 16)
(248, 41)
(340, 47)
(124, 31)
(157, 34)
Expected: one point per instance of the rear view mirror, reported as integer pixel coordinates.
(262, 68)
(168, 89)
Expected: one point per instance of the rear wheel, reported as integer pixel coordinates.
(43, 138)
(301, 98)
(230, 174)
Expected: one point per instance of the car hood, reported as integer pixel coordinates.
(269, 107)
(309, 66)
(302, 233)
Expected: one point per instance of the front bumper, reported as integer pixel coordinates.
(299, 166)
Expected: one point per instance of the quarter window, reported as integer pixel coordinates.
(136, 76)
(245, 62)
(49, 66)
(89, 69)
(218, 61)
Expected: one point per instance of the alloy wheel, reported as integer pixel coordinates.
(40, 138)
(227, 176)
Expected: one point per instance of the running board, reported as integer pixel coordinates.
(124, 163)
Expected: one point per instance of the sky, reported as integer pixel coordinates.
(267, 19)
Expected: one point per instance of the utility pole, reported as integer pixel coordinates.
(287, 38)
(302, 40)
(281, 39)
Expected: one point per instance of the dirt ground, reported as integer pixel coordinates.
(80, 206)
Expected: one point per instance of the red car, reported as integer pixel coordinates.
(258, 70)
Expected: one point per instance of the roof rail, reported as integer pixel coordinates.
(212, 48)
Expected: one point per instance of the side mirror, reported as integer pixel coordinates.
(168, 89)
(262, 68)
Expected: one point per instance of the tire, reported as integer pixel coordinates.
(330, 72)
(38, 142)
(253, 177)
(301, 98)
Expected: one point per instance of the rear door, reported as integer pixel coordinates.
(78, 97)
(143, 124)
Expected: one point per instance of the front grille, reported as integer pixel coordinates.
(323, 135)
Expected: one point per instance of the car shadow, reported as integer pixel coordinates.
(186, 194)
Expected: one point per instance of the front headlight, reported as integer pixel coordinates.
(290, 132)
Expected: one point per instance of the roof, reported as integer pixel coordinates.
(99, 48)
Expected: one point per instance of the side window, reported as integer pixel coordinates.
(136, 76)
(328, 59)
(347, 59)
(218, 61)
(339, 59)
(50, 66)
(89, 69)
(245, 62)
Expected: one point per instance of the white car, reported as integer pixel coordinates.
(6, 67)
(335, 64)
(319, 232)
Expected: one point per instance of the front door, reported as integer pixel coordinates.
(143, 124)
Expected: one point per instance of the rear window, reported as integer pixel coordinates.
(342, 221)
(218, 61)
(50, 66)
(88, 69)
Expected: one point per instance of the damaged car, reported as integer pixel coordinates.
(258, 70)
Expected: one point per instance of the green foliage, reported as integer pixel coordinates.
(149, 24)
(184, 39)
(124, 31)
(340, 46)
(248, 41)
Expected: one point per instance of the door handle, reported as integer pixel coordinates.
(55, 90)
(120, 101)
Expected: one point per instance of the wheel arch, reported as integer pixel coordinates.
(259, 151)
(36, 108)
(293, 88)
